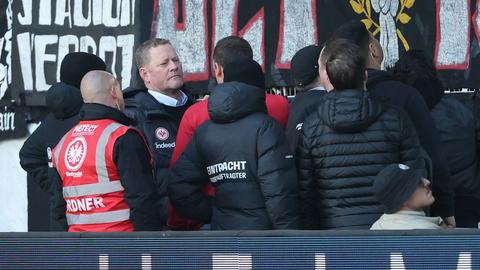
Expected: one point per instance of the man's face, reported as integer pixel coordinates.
(422, 197)
(164, 70)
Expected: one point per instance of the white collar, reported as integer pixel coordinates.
(317, 88)
(167, 100)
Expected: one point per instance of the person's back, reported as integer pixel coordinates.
(304, 71)
(63, 102)
(252, 173)
(346, 142)
(455, 122)
(381, 85)
(104, 181)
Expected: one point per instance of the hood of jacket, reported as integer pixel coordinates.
(234, 100)
(350, 110)
(376, 76)
(64, 100)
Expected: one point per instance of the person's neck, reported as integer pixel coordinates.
(173, 93)
(406, 208)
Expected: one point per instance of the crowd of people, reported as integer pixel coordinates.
(357, 148)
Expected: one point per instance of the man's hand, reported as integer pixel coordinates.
(450, 221)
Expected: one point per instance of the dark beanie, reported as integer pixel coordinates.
(75, 65)
(304, 65)
(395, 184)
(244, 70)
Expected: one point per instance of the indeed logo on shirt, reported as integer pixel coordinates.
(164, 145)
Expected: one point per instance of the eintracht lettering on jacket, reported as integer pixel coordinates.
(229, 170)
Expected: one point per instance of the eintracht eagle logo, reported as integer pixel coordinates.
(75, 153)
(161, 133)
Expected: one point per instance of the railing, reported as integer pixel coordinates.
(417, 249)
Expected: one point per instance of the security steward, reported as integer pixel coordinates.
(104, 166)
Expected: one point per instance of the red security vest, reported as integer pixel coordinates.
(91, 185)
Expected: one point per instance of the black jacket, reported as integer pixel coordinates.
(381, 85)
(64, 102)
(244, 154)
(302, 105)
(159, 123)
(455, 121)
(342, 146)
(132, 159)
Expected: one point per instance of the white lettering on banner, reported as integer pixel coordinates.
(84, 204)
(244, 261)
(189, 37)
(298, 28)
(254, 32)
(25, 55)
(464, 261)
(6, 51)
(108, 46)
(224, 19)
(26, 19)
(63, 12)
(452, 46)
(7, 121)
(231, 261)
(45, 9)
(41, 56)
(396, 261)
(320, 263)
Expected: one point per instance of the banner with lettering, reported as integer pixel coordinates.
(45, 31)
(36, 35)
(448, 30)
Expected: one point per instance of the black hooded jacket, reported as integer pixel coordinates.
(64, 102)
(455, 121)
(159, 124)
(342, 146)
(381, 85)
(244, 154)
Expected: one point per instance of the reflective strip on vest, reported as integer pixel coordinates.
(96, 218)
(58, 148)
(100, 161)
(92, 189)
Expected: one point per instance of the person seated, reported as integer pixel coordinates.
(404, 193)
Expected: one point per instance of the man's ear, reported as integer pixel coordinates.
(218, 70)
(143, 73)
(372, 50)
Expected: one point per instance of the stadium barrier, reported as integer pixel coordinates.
(415, 249)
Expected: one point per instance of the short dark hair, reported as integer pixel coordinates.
(356, 32)
(230, 48)
(142, 55)
(415, 68)
(345, 64)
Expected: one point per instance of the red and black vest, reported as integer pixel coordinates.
(91, 185)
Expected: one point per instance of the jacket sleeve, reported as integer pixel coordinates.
(430, 141)
(58, 221)
(184, 134)
(34, 159)
(185, 185)
(306, 181)
(277, 177)
(132, 158)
